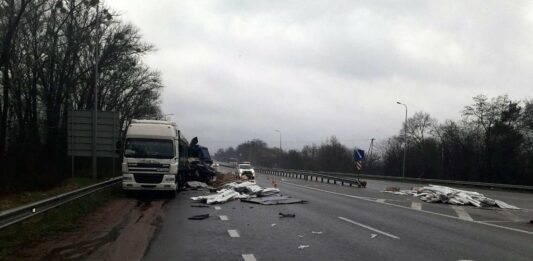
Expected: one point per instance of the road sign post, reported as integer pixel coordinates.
(81, 134)
(358, 157)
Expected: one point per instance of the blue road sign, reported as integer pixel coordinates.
(358, 155)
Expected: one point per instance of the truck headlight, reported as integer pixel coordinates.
(124, 167)
(173, 168)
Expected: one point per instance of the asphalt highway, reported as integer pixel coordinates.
(344, 223)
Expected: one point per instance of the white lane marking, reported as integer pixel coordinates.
(217, 208)
(501, 221)
(380, 200)
(416, 205)
(233, 233)
(369, 228)
(511, 216)
(461, 213)
(224, 218)
(249, 257)
(404, 207)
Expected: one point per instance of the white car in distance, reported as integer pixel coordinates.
(245, 170)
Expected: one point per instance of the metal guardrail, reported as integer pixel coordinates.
(313, 176)
(440, 181)
(18, 214)
(401, 179)
(349, 176)
(307, 175)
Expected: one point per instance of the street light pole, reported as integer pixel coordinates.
(280, 149)
(404, 138)
(279, 140)
(95, 93)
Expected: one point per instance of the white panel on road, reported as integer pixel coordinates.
(249, 257)
(224, 218)
(370, 228)
(405, 207)
(416, 205)
(461, 213)
(217, 208)
(233, 233)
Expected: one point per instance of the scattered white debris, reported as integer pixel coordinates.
(33, 210)
(273, 224)
(196, 184)
(267, 192)
(373, 235)
(316, 232)
(303, 246)
(300, 235)
(236, 190)
(442, 194)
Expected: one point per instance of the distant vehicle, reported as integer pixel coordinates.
(215, 166)
(151, 156)
(245, 170)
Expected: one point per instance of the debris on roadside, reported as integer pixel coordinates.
(268, 192)
(283, 215)
(300, 235)
(303, 246)
(199, 217)
(442, 194)
(373, 235)
(221, 197)
(273, 200)
(196, 185)
(223, 179)
(199, 206)
(392, 189)
(316, 232)
(273, 225)
(247, 191)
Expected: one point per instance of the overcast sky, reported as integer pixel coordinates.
(238, 70)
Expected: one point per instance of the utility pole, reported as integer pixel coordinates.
(280, 149)
(370, 150)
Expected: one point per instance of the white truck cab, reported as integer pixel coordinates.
(151, 156)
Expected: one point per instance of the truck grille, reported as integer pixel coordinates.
(148, 167)
(148, 178)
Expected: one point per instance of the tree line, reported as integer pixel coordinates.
(491, 142)
(48, 53)
(331, 155)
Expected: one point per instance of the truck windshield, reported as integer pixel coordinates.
(149, 148)
(244, 166)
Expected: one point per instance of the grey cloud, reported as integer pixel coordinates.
(237, 70)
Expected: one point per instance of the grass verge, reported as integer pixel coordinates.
(61, 219)
(19, 199)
